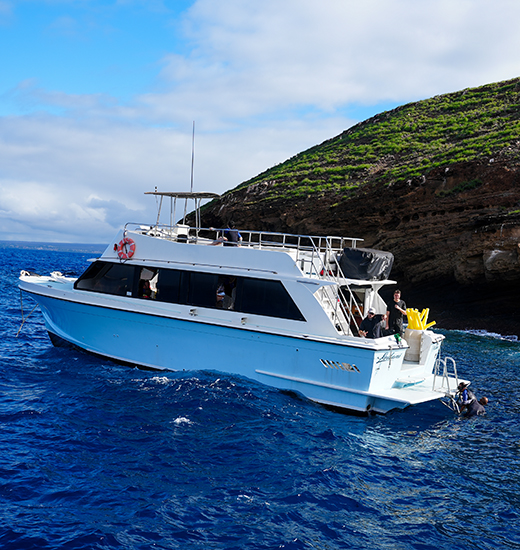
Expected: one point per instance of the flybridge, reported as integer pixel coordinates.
(260, 239)
(326, 261)
(316, 256)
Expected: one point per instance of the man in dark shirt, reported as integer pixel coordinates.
(396, 310)
(370, 326)
(231, 235)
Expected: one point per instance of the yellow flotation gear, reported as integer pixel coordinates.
(418, 321)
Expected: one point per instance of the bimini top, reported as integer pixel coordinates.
(197, 198)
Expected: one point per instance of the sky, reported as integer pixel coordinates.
(98, 98)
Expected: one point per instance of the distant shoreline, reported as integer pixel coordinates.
(58, 247)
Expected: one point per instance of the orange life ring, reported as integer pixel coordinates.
(126, 248)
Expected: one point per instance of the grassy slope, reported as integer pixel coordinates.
(405, 143)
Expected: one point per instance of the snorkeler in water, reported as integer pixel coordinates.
(476, 408)
(468, 403)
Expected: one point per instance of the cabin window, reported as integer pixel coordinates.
(202, 289)
(108, 278)
(169, 286)
(264, 297)
(209, 290)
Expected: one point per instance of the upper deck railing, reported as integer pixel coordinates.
(299, 245)
(256, 239)
(181, 232)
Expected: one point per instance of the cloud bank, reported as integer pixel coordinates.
(262, 81)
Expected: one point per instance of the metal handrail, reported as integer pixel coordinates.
(256, 238)
(448, 399)
(445, 376)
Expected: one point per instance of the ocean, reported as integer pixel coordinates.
(95, 455)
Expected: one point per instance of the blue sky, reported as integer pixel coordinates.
(87, 47)
(98, 97)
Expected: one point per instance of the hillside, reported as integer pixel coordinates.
(436, 182)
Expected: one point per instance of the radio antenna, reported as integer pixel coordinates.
(192, 162)
(192, 154)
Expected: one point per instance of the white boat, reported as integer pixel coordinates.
(277, 308)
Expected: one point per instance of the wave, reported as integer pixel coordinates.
(496, 335)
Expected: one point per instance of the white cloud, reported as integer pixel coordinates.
(263, 81)
(284, 55)
(66, 26)
(83, 180)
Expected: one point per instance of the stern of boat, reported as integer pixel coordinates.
(422, 354)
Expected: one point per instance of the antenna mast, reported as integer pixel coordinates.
(192, 154)
(192, 163)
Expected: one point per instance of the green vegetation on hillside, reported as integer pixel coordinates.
(407, 142)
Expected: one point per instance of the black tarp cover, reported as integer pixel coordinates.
(366, 263)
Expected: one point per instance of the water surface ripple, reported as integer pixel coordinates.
(94, 455)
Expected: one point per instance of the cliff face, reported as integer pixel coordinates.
(454, 229)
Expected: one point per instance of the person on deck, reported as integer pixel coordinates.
(231, 235)
(396, 310)
(371, 326)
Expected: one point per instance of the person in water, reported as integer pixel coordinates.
(476, 408)
(396, 310)
(371, 326)
(466, 397)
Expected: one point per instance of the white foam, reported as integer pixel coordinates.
(161, 379)
(485, 333)
(182, 420)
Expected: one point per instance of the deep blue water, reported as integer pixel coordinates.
(94, 455)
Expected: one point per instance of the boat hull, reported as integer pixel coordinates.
(334, 374)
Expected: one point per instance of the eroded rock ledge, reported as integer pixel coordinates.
(455, 235)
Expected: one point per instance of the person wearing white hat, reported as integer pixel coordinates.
(371, 326)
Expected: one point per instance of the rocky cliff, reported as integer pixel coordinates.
(437, 183)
